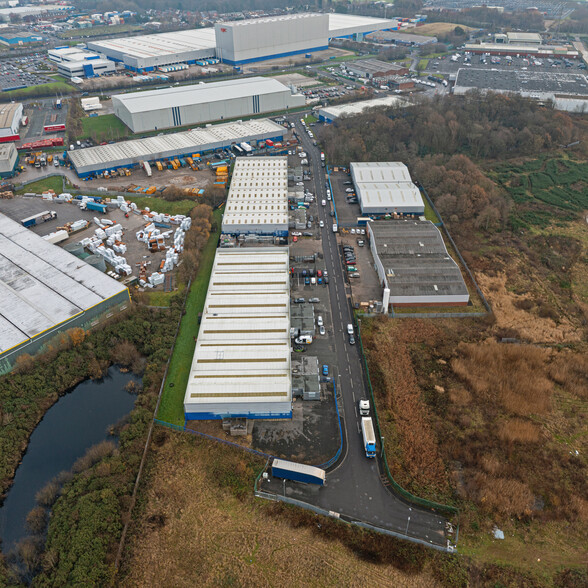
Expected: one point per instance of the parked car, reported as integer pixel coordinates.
(325, 370)
(299, 300)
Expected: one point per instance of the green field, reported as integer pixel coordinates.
(106, 127)
(430, 213)
(161, 205)
(544, 190)
(171, 409)
(40, 90)
(52, 183)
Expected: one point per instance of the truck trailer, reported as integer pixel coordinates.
(298, 472)
(97, 206)
(37, 219)
(369, 437)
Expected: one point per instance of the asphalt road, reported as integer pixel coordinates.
(355, 488)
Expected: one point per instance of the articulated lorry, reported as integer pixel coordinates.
(369, 437)
(36, 219)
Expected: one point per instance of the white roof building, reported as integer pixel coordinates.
(331, 113)
(200, 140)
(147, 52)
(241, 365)
(8, 159)
(44, 289)
(386, 188)
(258, 197)
(10, 117)
(240, 41)
(197, 103)
(346, 25)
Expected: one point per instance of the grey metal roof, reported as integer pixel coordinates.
(41, 285)
(415, 259)
(151, 148)
(198, 94)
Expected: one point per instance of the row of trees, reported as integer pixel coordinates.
(490, 126)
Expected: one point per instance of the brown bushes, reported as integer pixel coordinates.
(570, 371)
(401, 395)
(127, 355)
(518, 430)
(513, 375)
(95, 454)
(506, 496)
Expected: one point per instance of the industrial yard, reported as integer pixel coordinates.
(338, 319)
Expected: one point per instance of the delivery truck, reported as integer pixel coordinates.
(298, 472)
(369, 437)
(41, 217)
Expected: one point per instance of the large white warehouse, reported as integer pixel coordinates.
(240, 41)
(258, 197)
(45, 290)
(241, 365)
(148, 52)
(245, 41)
(198, 103)
(386, 188)
(10, 117)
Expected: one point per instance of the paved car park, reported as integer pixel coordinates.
(18, 72)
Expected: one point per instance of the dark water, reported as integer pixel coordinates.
(72, 425)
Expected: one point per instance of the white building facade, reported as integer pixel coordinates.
(198, 103)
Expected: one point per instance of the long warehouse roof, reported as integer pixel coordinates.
(7, 112)
(199, 94)
(200, 139)
(41, 285)
(159, 44)
(243, 348)
(259, 192)
(359, 107)
(343, 24)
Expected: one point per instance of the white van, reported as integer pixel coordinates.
(324, 202)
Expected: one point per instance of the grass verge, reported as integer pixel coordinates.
(52, 183)
(161, 205)
(40, 90)
(171, 409)
(106, 127)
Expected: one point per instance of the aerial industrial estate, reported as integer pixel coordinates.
(293, 232)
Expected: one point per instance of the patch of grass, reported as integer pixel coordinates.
(106, 127)
(161, 205)
(52, 183)
(430, 213)
(40, 90)
(171, 409)
(165, 298)
(422, 64)
(309, 118)
(538, 186)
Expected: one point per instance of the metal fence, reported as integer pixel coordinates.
(448, 548)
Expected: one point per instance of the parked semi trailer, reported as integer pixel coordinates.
(369, 437)
(36, 219)
(97, 206)
(298, 472)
